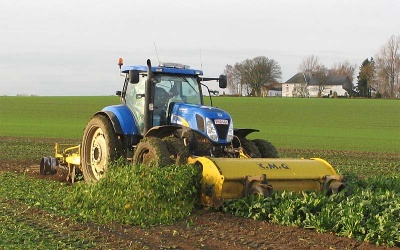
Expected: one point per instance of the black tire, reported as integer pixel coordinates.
(177, 149)
(266, 148)
(258, 189)
(100, 146)
(152, 152)
(250, 148)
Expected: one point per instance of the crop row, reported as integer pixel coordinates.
(371, 212)
(137, 195)
(129, 195)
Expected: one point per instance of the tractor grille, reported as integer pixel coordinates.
(200, 122)
(222, 131)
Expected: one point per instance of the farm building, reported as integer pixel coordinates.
(301, 85)
(273, 90)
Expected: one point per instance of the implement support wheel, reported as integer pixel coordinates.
(263, 190)
(100, 145)
(152, 152)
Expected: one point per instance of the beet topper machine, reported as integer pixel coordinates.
(162, 120)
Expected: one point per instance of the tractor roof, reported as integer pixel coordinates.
(166, 68)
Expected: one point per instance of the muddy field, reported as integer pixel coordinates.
(204, 229)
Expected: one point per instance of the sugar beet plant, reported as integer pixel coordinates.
(128, 194)
(370, 213)
(138, 195)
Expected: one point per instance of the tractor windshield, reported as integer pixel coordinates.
(176, 88)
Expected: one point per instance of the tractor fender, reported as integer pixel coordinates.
(243, 132)
(163, 131)
(121, 118)
(114, 120)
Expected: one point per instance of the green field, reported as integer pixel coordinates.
(49, 117)
(324, 124)
(328, 124)
(360, 138)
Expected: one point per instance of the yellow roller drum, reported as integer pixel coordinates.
(231, 178)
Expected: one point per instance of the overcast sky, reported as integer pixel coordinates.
(71, 47)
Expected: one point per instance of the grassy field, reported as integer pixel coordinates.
(327, 124)
(360, 138)
(49, 117)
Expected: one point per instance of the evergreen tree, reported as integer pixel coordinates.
(365, 77)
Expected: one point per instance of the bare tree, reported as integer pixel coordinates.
(388, 68)
(314, 72)
(255, 73)
(301, 90)
(309, 65)
(321, 77)
(234, 80)
(343, 69)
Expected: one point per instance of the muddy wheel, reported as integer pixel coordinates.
(250, 148)
(261, 190)
(177, 150)
(48, 165)
(266, 148)
(152, 152)
(100, 146)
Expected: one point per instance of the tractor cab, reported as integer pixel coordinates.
(151, 92)
(168, 89)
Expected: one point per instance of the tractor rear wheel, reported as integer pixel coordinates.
(100, 146)
(152, 152)
(266, 148)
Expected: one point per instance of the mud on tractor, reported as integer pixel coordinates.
(162, 120)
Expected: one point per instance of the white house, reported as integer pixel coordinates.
(273, 90)
(301, 85)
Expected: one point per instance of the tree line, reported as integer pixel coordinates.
(377, 76)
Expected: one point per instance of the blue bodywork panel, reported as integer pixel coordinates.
(125, 118)
(165, 70)
(194, 116)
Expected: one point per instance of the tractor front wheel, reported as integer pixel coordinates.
(152, 152)
(250, 148)
(100, 145)
(266, 148)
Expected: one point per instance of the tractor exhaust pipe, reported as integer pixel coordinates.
(148, 100)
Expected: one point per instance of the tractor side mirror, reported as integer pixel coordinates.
(223, 82)
(133, 76)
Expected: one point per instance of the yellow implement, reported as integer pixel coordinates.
(67, 156)
(227, 179)
(232, 178)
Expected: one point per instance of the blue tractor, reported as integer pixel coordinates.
(162, 120)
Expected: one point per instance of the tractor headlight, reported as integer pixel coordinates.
(229, 137)
(211, 130)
